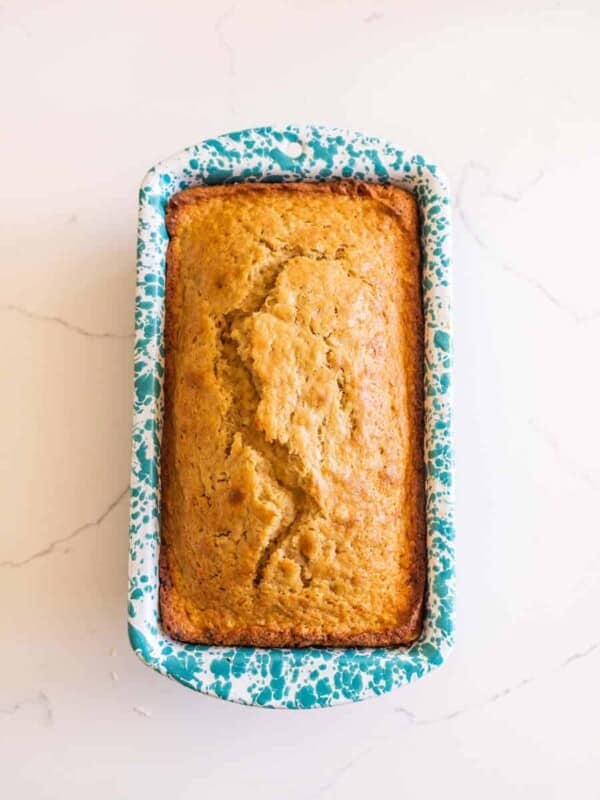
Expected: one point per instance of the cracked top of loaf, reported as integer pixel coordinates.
(292, 452)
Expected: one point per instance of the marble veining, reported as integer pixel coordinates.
(460, 206)
(498, 694)
(70, 326)
(56, 544)
(39, 700)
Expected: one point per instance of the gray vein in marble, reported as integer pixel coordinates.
(143, 712)
(459, 712)
(52, 546)
(341, 771)
(25, 312)
(566, 461)
(499, 262)
(413, 719)
(510, 197)
(40, 699)
(581, 654)
(228, 53)
(408, 715)
(374, 17)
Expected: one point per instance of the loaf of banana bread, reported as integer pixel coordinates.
(292, 474)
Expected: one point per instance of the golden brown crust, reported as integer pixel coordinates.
(292, 458)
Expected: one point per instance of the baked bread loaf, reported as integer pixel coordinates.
(292, 451)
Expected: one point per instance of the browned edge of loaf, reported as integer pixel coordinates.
(400, 203)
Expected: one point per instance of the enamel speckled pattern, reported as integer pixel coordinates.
(311, 677)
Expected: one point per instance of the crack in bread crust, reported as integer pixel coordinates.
(272, 546)
(290, 479)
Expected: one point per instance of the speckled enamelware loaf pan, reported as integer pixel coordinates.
(310, 677)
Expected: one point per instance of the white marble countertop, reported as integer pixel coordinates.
(504, 96)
